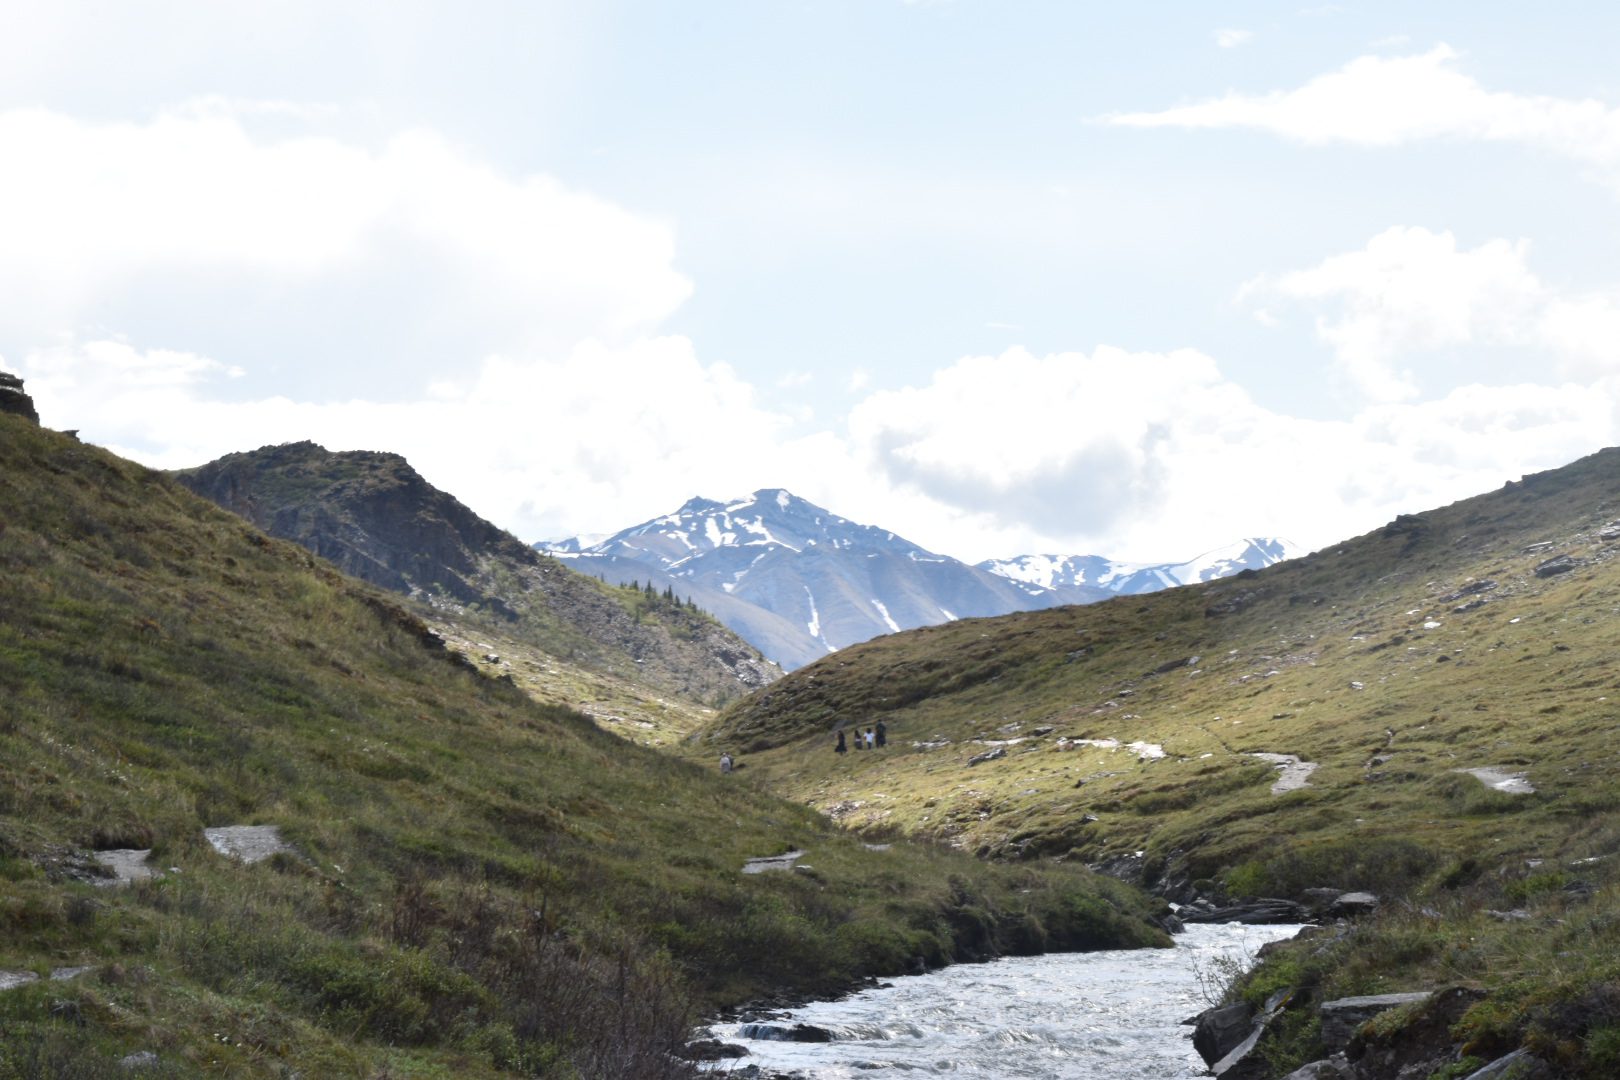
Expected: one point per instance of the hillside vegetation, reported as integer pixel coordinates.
(476, 885)
(378, 519)
(1484, 635)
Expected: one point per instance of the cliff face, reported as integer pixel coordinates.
(377, 519)
(13, 400)
(370, 514)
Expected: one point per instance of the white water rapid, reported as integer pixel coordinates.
(1065, 1016)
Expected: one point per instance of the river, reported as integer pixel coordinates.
(1076, 1016)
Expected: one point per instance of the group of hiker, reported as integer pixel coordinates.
(872, 738)
(875, 737)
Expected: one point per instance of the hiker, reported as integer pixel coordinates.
(840, 748)
(725, 762)
(882, 734)
(871, 740)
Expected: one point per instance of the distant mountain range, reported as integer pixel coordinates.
(798, 581)
(1060, 572)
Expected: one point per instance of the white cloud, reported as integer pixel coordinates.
(1230, 39)
(393, 257)
(1411, 293)
(1135, 455)
(1379, 101)
(1147, 455)
(601, 435)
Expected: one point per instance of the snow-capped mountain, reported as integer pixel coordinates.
(1062, 572)
(797, 581)
(817, 581)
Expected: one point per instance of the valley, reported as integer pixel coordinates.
(1426, 713)
(473, 883)
(1407, 735)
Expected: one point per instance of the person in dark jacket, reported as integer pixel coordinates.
(840, 748)
(882, 734)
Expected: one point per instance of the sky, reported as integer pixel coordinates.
(1003, 276)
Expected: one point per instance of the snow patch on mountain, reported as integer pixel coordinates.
(888, 620)
(749, 560)
(1065, 571)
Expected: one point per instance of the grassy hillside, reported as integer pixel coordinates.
(378, 519)
(1484, 635)
(479, 884)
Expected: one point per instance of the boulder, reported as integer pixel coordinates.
(1333, 1068)
(13, 400)
(1219, 1031)
(1423, 1043)
(1341, 1018)
(1243, 1062)
(1352, 904)
(1258, 911)
(1319, 900)
(806, 1033)
(712, 1050)
(1558, 564)
(1519, 1065)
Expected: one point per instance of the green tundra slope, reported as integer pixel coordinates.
(1481, 636)
(477, 884)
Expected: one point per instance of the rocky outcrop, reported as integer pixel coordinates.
(378, 519)
(1217, 1032)
(14, 400)
(1244, 1061)
(1258, 911)
(1343, 1017)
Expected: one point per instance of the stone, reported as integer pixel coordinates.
(806, 1033)
(772, 862)
(1352, 904)
(1333, 1068)
(128, 865)
(1251, 912)
(713, 1050)
(1473, 588)
(1519, 1065)
(1342, 1017)
(1243, 1063)
(1421, 1045)
(249, 843)
(1220, 1031)
(140, 1060)
(13, 400)
(1318, 900)
(988, 755)
(1558, 564)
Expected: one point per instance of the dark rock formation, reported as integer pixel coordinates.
(807, 1033)
(1419, 1046)
(1519, 1065)
(1220, 1031)
(1258, 911)
(378, 519)
(1341, 1018)
(1244, 1061)
(13, 400)
(1333, 1068)
(1558, 564)
(1351, 905)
